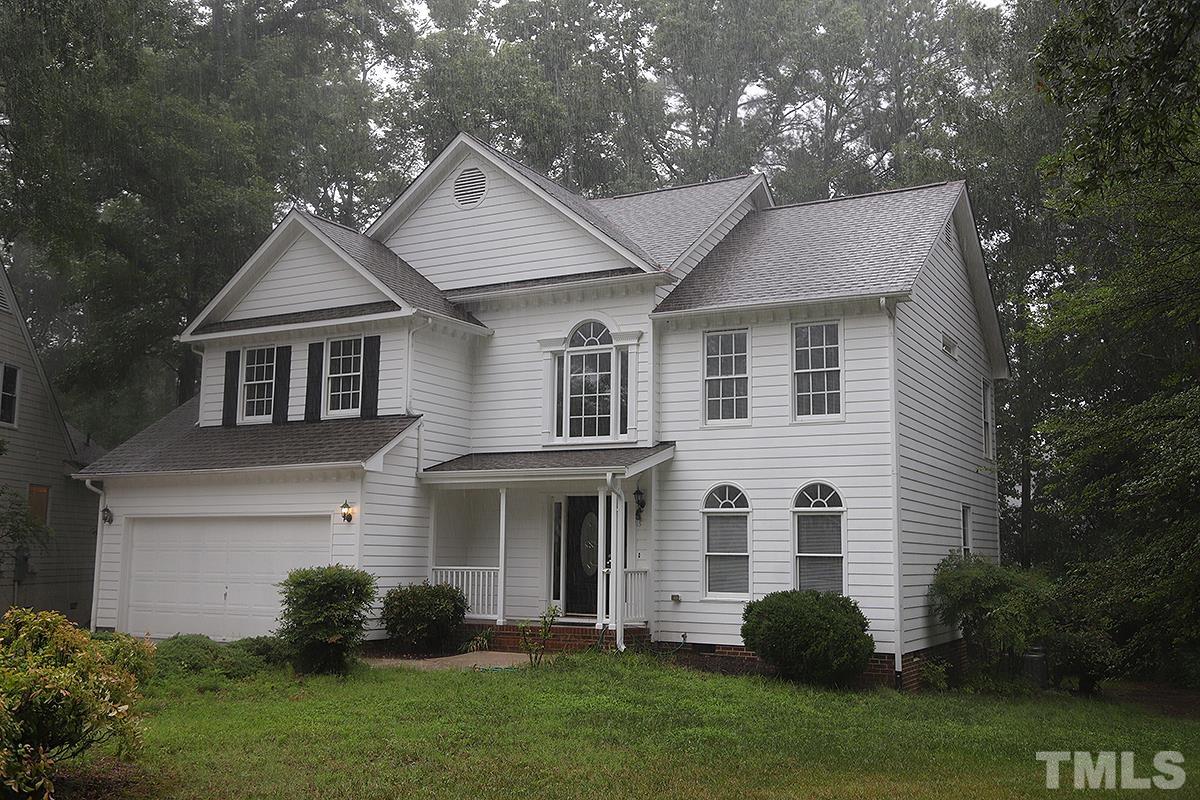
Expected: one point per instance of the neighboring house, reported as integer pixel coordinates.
(42, 452)
(761, 397)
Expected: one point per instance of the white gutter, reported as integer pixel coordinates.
(96, 567)
(618, 560)
(408, 363)
(221, 470)
(852, 298)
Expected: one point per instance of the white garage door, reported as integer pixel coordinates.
(216, 575)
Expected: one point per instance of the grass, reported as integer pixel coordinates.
(613, 727)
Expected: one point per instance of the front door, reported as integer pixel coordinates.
(583, 568)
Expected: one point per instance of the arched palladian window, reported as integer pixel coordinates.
(726, 515)
(591, 385)
(820, 522)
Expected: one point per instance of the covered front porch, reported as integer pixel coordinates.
(519, 539)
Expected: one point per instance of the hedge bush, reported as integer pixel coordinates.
(324, 616)
(424, 618)
(818, 637)
(194, 654)
(61, 693)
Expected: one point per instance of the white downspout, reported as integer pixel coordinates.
(889, 309)
(408, 363)
(618, 559)
(96, 567)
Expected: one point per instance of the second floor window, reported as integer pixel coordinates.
(817, 370)
(726, 376)
(989, 426)
(258, 384)
(344, 379)
(8, 394)
(591, 385)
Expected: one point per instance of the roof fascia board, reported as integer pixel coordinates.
(773, 304)
(981, 287)
(649, 462)
(221, 470)
(760, 182)
(296, 326)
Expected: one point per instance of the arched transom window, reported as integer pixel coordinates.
(591, 385)
(726, 513)
(820, 524)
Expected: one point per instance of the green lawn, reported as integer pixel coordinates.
(605, 726)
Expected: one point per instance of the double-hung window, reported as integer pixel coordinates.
(726, 515)
(817, 370)
(726, 376)
(591, 385)
(343, 395)
(10, 378)
(258, 384)
(989, 424)
(820, 516)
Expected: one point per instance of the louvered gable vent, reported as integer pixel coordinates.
(470, 187)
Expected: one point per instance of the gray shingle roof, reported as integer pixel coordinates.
(391, 270)
(534, 283)
(176, 444)
(845, 247)
(599, 459)
(315, 315)
(667, 221)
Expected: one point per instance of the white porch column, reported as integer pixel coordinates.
(503, 556)
(601, 555)
(433, 504)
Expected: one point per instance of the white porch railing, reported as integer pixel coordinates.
(478, 584)
(637, 586)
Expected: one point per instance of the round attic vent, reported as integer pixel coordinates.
(470, 187)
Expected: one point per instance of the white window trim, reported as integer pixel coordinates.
(16, 420)
(748, 512)
(705, 422)
(966, 524)
(988, 399)
(326, 413)
(811, 419)
(262, 418)
(795, 545)
(554, 349)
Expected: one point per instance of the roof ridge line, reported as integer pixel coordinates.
(864, 194)
(692, 185)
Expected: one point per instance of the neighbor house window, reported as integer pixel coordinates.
(820, 517)
(726, 543)
(344, 376)
(726, 376)
(817, 370)
(966, 529)
(591, 385)
(989, 423)
(39, 503)
(258, 384)
(9, 380)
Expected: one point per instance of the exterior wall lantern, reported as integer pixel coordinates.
(106, 515)
(347, 512)
(639, 499)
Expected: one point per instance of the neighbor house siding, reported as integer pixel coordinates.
(940, 431)
(771, 459)
(38, 453)
(512, 235)
(307, 276)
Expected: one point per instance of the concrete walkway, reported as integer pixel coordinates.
(485, 659)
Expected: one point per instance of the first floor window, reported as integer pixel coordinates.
(726, 376)
(258, 383)
(8, 394)
(727, 542)
(966, 529)
(345, 376)
(817, 370)
(819, 515)
(39, 503)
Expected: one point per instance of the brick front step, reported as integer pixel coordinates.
(563, 638)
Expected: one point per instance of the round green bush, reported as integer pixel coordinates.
(424, 618)
(818, 637)
(324, 616)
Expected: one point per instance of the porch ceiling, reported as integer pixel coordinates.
(543, 465)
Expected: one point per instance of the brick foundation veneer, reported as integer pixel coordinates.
(563, 638)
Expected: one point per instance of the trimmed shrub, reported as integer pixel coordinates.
(424, 618)
(818, 637)
(270, 650)
(60, 695)
(136, 656)
(324, 616)
(194, 654)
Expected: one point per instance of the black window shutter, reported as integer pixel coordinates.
(315, 382)
(283, 382)
(369, 409)
(229, 406)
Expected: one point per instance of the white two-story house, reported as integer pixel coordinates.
(645, 410)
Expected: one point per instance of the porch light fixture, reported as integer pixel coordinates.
(347, 515)
(639, 499)
(106, 515)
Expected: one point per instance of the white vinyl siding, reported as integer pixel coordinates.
(941, 440)
(308, 276)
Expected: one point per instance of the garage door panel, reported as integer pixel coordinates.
(216, 576)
